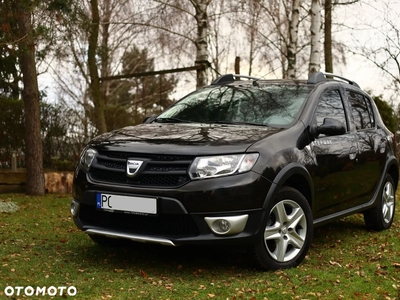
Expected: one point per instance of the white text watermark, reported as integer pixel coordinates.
(30, 291)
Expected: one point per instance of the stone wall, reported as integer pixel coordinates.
(55, 182)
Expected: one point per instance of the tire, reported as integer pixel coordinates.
(287, 232)
(381, 216)
(109, 242)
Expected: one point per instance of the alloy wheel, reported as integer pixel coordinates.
(388, 202)
(286, 230)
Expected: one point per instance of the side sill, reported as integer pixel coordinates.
(341, 214)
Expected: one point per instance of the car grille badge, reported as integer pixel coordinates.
(132, 167)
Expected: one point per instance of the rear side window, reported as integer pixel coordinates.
(361, 110)
(330, 105)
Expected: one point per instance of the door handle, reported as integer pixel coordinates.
(353, 153)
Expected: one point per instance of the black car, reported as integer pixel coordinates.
(243, 161)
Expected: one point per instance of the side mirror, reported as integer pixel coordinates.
(149, 119)
(331, 127)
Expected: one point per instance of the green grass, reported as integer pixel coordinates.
(40, 246)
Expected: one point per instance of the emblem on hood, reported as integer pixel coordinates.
(132, 167)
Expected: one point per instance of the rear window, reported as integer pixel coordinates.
(272, 104)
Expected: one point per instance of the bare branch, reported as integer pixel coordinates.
(345, 3)
(150, 73)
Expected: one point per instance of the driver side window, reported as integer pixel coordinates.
(330, 105)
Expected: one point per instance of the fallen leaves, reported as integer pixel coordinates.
(211, 295)
(334, 263)
(143, 274)
(358, 263)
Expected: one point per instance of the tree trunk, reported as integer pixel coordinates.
(328, 37)
(293, 34)
(95, 88)
(105, 49)
(201, 40)
(315, 55)
(30, 95)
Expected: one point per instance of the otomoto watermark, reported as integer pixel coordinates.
(30, 291)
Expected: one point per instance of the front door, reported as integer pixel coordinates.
(334, 159)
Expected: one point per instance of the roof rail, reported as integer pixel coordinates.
(322, 76)
(231, 78)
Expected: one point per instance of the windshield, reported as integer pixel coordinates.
(266, 105)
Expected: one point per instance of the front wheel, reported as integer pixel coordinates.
(288, 232)
(381, 216)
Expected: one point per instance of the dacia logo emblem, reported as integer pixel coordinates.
(132, 167)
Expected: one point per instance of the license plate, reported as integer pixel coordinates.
(131, 204)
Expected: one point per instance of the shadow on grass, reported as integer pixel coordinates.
(159, 258)
(344, 229)
(193, 258)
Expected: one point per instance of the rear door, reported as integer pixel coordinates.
(371, 145)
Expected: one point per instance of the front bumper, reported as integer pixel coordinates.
(226, 210)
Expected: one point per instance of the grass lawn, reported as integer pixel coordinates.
(41, 247)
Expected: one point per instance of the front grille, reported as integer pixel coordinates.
(169, 226)
(159, 170)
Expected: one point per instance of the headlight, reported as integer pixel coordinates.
(87, 157)
(215, 166)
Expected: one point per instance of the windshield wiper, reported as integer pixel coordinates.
(240, 123)
(171, 120)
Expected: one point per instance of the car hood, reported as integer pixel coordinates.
(183, 138)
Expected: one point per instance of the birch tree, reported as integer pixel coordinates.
(293, 36)
(273, 29)
(187, 24)
(201, 43)
(315, 55)
(328, 36)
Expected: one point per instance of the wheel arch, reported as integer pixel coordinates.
(296, 176)
(393, 170)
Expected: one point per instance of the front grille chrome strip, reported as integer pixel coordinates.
(136, 238)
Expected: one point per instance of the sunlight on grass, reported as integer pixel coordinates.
(40, 246)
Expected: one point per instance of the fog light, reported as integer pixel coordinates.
(227, 225)
(74, 208)
(224, 225)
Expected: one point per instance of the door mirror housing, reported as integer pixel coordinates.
(149, 119)
(331, 127)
